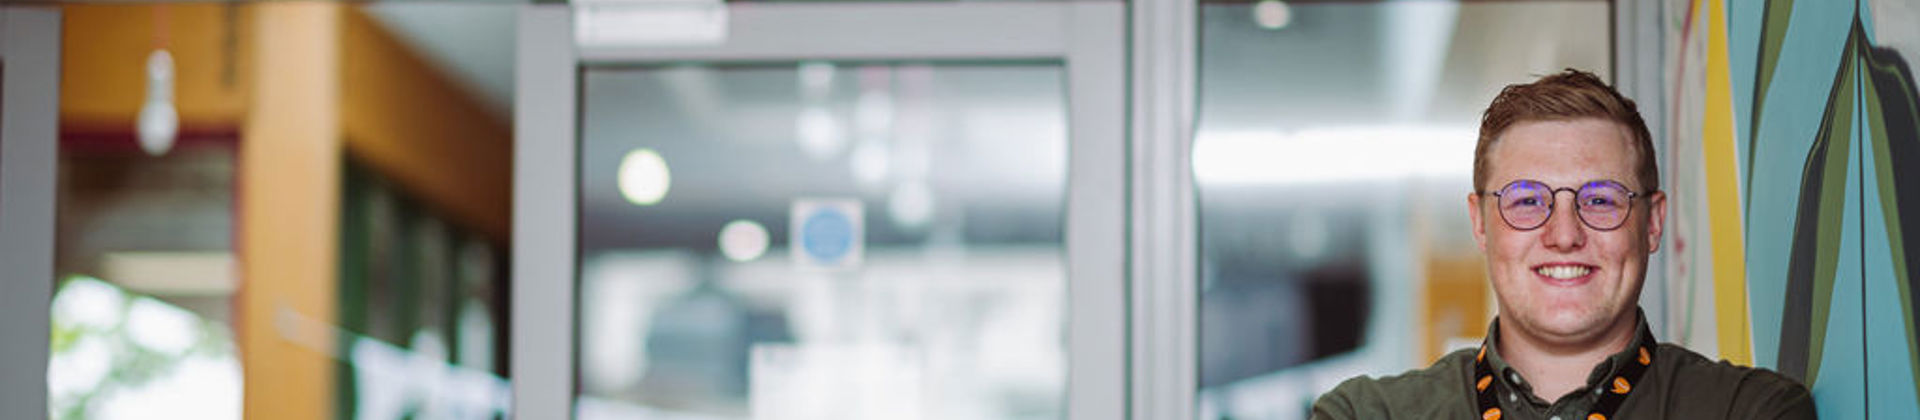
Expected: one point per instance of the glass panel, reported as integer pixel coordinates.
(822, 240)
(229, 248)
(1333, 157)
(141, 320)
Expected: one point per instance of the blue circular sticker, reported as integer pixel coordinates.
(827, 235)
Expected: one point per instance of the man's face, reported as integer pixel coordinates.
(1566, 281)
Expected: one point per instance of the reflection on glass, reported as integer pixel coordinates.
(141, 321)
(418, 330)
(1332, 161)
(357, 255)
(119, 355)
(834, 241)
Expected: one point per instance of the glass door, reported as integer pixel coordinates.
(1332, 156)
(775, 213)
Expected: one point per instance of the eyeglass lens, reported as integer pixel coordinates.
(1527, 204)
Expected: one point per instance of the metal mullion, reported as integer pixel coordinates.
(1096, 223)
(1163, 235)
(847, 31)
(29, 160)
(544, 202)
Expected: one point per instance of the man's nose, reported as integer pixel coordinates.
(1564, 230)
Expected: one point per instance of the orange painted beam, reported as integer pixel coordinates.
(103, 76)
(399, 113)
(412, 123)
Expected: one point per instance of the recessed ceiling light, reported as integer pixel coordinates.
(743, 240)
(1272, 14)
(644, 178)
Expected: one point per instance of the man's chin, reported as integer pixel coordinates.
(1568, 325)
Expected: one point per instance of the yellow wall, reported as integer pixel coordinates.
(1455, 302)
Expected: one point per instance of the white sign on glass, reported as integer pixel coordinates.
(828, 234)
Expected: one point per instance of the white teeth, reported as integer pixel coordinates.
(1563, 271)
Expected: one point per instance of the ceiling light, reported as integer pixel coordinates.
(816, 80)
(821, 137)
(869, 163)
(1272, 14)
(644, 178)
(743, 240)
(158, 122)
(911, 205)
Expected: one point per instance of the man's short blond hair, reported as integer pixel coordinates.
(1570, 94)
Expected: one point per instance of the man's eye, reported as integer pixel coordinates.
(1600, 201)
(1527, 201)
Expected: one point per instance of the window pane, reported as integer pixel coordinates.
(322, 232)
(1333, 159)
(822, 240)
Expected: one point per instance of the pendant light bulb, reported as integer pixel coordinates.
(159, 122)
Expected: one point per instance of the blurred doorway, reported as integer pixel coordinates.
(765, 211)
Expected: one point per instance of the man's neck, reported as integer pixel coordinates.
(1556, 368)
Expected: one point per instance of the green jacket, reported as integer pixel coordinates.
(1678, 384)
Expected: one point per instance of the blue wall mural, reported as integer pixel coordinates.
(1826, 125)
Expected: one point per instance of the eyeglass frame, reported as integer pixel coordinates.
(1553, 201)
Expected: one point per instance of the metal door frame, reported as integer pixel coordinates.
(29, 159)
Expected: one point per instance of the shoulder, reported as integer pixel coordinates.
(1749, 392)
(1447, 374)
(1423, 393)
(1692, 368)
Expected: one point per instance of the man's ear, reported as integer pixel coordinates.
(1656, 219)
(1473, 213)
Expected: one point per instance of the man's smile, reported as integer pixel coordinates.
(1564, 273)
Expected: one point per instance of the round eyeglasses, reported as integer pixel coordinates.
(1527, 204)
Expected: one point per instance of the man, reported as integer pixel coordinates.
(1567, 206)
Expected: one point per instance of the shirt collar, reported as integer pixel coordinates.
(1511, 377)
